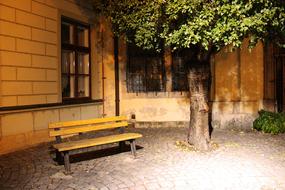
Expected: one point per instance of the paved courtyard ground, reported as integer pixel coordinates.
(243, 160)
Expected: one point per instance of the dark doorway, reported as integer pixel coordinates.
(274, 77)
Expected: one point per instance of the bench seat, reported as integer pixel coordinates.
(85, 143)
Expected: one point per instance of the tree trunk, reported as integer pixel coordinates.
(198, 133)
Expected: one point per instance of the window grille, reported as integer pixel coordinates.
(145, 70)
(179, 71)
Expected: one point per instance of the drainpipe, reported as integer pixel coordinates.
(103, 70)
(116, 59)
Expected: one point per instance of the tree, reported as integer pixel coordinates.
(204, 27)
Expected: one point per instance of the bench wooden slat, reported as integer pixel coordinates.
(86, 122)
(96, 141)
(81, 129)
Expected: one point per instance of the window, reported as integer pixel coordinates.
(145, 70)
(75, 60)
(179, 71)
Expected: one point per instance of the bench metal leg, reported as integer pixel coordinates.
(59, 157)
(122, 145)
(66, 162)
(133, 147)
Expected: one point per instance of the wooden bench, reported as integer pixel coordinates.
(62, 129)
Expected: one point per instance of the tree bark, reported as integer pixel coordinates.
(198, 78)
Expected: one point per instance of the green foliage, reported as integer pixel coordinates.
(270, 122)
(205, 24)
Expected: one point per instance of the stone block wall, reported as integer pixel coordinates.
(28, 53)
(25, 128)
(30, 63)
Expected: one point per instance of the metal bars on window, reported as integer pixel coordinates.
(145, 70)
(179, 71)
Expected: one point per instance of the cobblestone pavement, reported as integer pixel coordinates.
(244, 160)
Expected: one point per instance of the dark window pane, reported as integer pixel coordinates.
(136, 83)
(72, 86)
(67, 31)
(65, 86)
(67, 61)
(179, 71)
(83, 63)
(154, 75)
(82, 36)
(145, 70)
(83, 86)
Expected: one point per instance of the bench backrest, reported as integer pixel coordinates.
(80, 126)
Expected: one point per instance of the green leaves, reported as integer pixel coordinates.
(270, 122)
(203, 23)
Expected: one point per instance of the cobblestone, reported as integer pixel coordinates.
(243, 160)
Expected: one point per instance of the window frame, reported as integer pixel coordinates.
(77, 49)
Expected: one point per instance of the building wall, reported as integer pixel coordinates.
(147, 107)
(29, 53)
(25, 128)
(30, 68)
(153, 107)
(237, 87)
(236, 94)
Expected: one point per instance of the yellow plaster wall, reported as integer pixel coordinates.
(252, 73)
(22, 140)
(238, 86)
(226, 73)
(30, 68)
(109, 71)
(22, 129)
